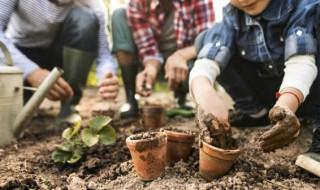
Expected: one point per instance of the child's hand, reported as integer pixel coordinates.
(212, 129)
(208, 100)
(286, 128)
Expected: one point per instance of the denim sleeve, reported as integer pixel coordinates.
(216, 44)
(300, 33)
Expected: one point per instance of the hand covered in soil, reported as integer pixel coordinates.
(176, 70)
(213, 131)
(286, 128)
(145, 80)
(109, 87)
(60, 90)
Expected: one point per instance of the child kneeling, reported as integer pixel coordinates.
(260, 49)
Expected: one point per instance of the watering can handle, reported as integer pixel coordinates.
(6, 54)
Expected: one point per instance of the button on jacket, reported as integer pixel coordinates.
(285, 29)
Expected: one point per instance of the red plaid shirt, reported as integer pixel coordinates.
(146, 18)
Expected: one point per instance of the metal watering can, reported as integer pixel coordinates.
(13, 115)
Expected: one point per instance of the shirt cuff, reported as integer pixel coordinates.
(204, 68)
(156, 57)
(28, 69)
(300, 43)
(217, 52)
(300, 73)
(105, 67)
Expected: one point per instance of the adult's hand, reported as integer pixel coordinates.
(176, 70)
(60, 90)
(146, 79)
(109, 87)
(286, 128)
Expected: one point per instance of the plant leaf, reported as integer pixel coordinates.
(66, 146)
(74, 159)
(79, 151)
(107, 136)
(72, 131)
(99, 122)
(67, 133)
(89, 137)
(60, 156)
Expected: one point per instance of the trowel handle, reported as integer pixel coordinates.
(6, 53)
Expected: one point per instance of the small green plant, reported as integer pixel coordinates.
(78, 140)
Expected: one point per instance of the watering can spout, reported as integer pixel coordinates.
(30, 107)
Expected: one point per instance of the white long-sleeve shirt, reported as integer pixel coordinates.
(34, 23)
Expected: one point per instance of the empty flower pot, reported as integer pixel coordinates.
(179, 145)
(215, 162)
(148, 154)
(152, 116)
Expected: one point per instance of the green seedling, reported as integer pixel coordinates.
(77, 140)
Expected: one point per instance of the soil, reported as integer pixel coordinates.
(27, 164)
(215, 133)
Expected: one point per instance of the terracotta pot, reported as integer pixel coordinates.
(179, 146)
(152, 116)
(215, 162)
(149, 155)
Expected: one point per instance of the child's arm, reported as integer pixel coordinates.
(300, 73)
(202, 78)
(215, 47)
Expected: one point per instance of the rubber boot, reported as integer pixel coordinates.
(76, 66)
(130, 109)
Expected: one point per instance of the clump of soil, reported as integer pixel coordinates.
(25, 184)
(215, 133)
(143, 136)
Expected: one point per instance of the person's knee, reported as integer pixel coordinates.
(82, 25)
(119, 15)
(123, 41)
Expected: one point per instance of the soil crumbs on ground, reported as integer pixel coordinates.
(28, 165)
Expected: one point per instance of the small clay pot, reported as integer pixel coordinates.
(148, 155)
(179, 146)
(215, 162)
(152, 116)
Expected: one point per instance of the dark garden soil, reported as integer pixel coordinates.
(27, 164)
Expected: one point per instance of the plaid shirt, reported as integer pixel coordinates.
(146, 18)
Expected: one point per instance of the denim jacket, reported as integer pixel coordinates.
(286, 28)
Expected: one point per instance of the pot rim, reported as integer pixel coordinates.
(159, 135)
(219, 152)
(177, 136)
(154, 107)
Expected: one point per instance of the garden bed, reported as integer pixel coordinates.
(28, 165)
